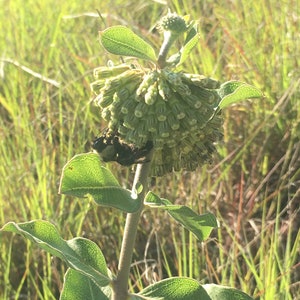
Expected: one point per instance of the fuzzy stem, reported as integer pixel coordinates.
(169, 39)
(120, 284)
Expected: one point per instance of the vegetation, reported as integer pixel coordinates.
(49, 52)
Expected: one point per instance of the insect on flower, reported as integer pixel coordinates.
(111, 148)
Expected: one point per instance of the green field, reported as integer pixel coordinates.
(48, 50)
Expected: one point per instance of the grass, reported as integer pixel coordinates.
(253, 186)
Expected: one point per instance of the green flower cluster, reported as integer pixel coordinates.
(176, 111)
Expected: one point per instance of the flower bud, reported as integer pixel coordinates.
(151, 94)
(172, 22)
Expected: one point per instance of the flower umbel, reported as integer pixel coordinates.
(174, 111)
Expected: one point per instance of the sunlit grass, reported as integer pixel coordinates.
(253, 187)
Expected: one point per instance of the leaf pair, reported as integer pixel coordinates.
(88, 277)
(120, 40)
(84, 175)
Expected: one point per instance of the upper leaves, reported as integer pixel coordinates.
(120, 40)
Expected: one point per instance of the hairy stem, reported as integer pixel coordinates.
(120, 284)
(169, 39)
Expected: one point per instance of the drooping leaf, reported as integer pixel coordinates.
(175, 288)
(84, 175)
(80, 254)
(219, 292)
(120, 40)
(235, 91)
(200, 225)
(80, 287)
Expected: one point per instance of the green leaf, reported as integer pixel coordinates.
(120, 40)
(84, 175)
(176, 288)
(236, 91)
(80, 287)
(191, 31)
(80, 254)
(191, 41)
(218, 292)
(182, 288)
(187, 48)
(200, 225)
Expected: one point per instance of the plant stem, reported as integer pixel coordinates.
(169, 39)
(120, 284)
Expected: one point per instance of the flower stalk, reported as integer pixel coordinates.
(169, 39)
(120, 284)
(172, 26)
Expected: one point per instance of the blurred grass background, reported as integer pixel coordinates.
(48, 52)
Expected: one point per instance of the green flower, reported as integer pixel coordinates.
(176, 112)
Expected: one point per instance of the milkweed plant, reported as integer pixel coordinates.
(162, 120)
